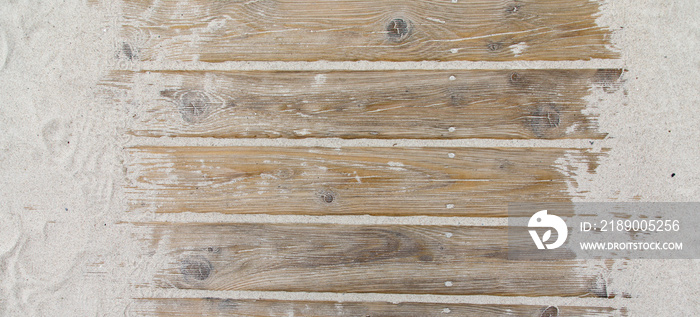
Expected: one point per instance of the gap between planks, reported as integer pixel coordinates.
(214, 217)
(254, 307)
(593, 144)
(366, 65)
(617, 302)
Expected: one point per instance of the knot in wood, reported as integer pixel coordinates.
(194, 106)
(327, 196)
(196, 267)
(551, 311)
(398, 29)
(494, 46)
(543, 119)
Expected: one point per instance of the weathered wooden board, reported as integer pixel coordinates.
(365, 104)
(292, 30)
(455, 260)
(347, 181)
(250, 308)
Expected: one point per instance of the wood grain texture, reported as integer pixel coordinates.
(377, 30)
(503, 104)
(259, 308)
(360, 259)
(347, 181)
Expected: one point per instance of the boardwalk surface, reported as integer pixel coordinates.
(518, 105)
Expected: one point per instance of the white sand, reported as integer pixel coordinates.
(63, 253)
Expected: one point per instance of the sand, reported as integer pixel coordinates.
(65, 251)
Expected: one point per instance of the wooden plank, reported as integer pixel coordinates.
(251, 307)
(377, 30)
(448, 260)
(350, 181)
(503, 104)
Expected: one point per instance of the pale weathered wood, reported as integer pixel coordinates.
(365, 104)
(260, 308)
(294, 30)
(455, 260)
(326, 181)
